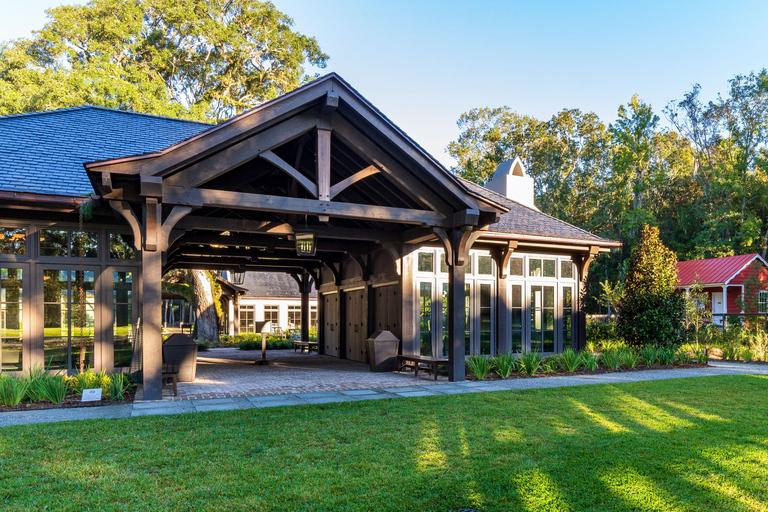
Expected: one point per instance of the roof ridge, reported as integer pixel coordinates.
(107, 109)
(535, 210)
(751, 255)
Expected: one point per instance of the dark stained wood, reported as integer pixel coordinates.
(242, 152)
(293, 173)
(331, 326)
(151, 222)
(125, 210)
(323, 163)
(281, 204)
(348, 182)
(456, 306)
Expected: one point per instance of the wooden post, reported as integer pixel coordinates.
(581, 317)
(323, 168)
(152, 317)
(305, 286)
(456, 308)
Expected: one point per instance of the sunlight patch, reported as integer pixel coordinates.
(598, 418)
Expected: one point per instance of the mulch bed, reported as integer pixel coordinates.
(583, 371)
(71, 402)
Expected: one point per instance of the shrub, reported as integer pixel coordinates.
(649, 355)
(12, 389)
(589, 360)
(504, 365)
(600, 332)
(758, 344)
(611, 359)
(683, 356)
(701, 355)
(530, 362)
(34, 375)
(652, 312)
(119, 384)
(628, 357)
(550, 364)
(666, 356)
(747, 355)
(480, 366)
(730, 352)
(201, 346)
(570, 360)
(52, 387)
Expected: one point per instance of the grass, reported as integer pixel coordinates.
(692, 444)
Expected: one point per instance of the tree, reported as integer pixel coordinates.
(196, 59)
(696, 312)
(652, 311)
(199, 59)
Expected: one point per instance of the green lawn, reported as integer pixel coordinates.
(694, 444)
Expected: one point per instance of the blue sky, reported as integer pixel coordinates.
(425, 62)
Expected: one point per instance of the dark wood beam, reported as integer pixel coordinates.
(242, 152)
(348, 182)
(295, 205)
(268, 242)
(291, 171)
(323, 168)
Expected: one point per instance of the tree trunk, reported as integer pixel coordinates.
(206, 324)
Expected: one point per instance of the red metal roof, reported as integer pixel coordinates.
(712, 271)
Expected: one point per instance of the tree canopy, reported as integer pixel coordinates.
(196, 59)
(698, 173)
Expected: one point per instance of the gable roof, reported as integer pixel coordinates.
(523, 220)
(44, 152)
(713, 271)
(272, 285)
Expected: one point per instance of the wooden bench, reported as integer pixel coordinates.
(307, 346)
(171, 375)
(428, 364)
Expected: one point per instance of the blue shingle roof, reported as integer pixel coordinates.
(44, 152)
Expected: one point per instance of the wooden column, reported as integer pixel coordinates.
(320, 319)
(323, 168)
(305, 286)
(456, 308)
(581, 317)
(503, 327)
(236, 316)
(409, 301)
(152, 273)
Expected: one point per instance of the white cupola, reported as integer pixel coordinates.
(511, 181)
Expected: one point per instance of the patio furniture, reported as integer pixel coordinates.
(170, 376)
(420, 363)
(181, 350)
(294, 335)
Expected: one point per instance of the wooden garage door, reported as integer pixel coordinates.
(355, 335)
(331, 321)
(386, 309)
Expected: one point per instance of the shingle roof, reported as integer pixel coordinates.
(522, 220)
(713, 270)
(269, 284)
(44, 152)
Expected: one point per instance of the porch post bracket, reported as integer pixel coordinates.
(586, 262)
(503, 258)
(348, 182)
(125, 210)
(284, 166)
(363, 266)
(334, 271)
(394, 252)
(177, 213)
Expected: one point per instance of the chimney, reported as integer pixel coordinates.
(511, 181)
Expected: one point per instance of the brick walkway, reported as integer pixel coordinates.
(227, 373)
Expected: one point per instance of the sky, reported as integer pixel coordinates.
(423, 63)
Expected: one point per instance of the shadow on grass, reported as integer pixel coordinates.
(693, 444)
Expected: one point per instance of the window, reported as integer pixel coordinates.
(13, 241)
(444, 265)
(485, 318)
(516, 266)
(541, 268)
(549, 268)
(425, 318)
(313, 317)
(426, 262)
(63, 243)
(762, 301)
(68, 302)
(567, 316)
(247, 318)
(484, 265)
(272, 314)
(122, 295)
(294, 317)
(11, 281)
(516, 307)
(543, 318)
(566, 269)
(121, 247)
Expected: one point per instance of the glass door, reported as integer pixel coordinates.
(566, 324)
(425, 318)
(542, 337)
(68, 317)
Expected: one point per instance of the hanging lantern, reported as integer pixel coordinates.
(305, 242)
(238, 277)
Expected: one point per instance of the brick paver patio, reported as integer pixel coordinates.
(226, 373)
